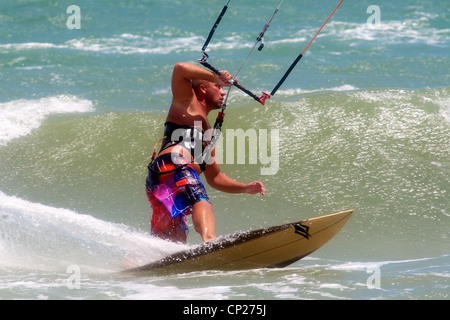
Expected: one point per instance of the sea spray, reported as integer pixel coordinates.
(41, 237)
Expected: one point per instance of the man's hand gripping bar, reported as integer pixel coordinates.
(233, 82)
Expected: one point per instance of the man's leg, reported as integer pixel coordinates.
(174, 233)
(203, 219)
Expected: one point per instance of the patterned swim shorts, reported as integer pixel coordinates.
(172, 194)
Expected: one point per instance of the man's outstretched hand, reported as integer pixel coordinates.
(255, 187)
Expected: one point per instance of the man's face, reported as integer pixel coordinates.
(214, 95)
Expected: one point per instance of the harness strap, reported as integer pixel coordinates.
(188, 141)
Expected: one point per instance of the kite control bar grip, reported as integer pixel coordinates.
(234, 82)
(203, 62)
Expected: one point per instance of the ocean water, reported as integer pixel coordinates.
(363, 123)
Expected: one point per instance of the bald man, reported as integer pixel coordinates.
(173, 185)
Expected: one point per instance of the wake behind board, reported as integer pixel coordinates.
(272, 247)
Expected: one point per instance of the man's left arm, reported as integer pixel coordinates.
(220, 181)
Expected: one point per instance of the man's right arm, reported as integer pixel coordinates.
(182, 75)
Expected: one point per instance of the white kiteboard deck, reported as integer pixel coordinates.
(272, 247)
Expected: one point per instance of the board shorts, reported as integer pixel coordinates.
(172, 196)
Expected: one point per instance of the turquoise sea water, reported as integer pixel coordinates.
(363, 123)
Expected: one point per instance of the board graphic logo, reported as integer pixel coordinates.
(302, 230)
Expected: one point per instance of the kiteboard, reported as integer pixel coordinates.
(273, 247)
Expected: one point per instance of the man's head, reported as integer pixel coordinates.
(208, 92)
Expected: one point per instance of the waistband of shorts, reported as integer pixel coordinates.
(166, 161)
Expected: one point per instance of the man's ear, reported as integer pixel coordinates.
(203, 88)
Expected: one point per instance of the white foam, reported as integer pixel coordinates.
(20, 117)
(389, 32)
(291, 92)
(166, 42)
(134, 44)
(41, 237)
(28, 46)
(148, 291)
(348, 266)
(122, 44)
(444, 107)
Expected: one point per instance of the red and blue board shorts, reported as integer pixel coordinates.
(172, 190)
